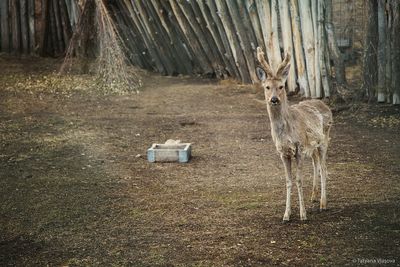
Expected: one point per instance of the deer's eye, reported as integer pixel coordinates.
(268, 87)
(281, 87)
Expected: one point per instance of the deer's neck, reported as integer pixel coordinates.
(279, 119)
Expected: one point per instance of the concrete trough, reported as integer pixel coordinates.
(171, 151)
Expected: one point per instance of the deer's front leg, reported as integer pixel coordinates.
(299, 184)
(288, 170)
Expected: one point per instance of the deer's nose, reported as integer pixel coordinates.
(274, 100)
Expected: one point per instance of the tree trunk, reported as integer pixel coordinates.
(191, 37)
(244, 40)
(396, 53)
(286, 29)
(381, 51)
(15, 27)
(220, 39)
(298, 50)
(334, 52)
(370, 74)
(274, 37)
(24, 26)
(321, 49)
(317, 59)
(5, 30)
(31, 25)
(308, 42)
(233, 40)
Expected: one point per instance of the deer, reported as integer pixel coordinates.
(299, 131)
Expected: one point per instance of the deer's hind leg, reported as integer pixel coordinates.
(317, 169)
(324, 175)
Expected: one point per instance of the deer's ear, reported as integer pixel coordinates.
(261, 75)
(284, 72)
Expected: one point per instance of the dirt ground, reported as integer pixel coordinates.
(76, 188)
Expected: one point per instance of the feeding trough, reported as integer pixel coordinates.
(171, 151)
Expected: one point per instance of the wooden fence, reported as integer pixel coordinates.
(41, 27)
(209, 37)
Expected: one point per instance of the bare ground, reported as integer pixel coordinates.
(76, 188)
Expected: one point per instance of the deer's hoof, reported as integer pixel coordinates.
(286, 221)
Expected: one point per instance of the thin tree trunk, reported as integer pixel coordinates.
(5, 30)
(244, 39)
(24, 26)
(287, 40)
(218, 37)
(317, 60)
(298, 50)
(381, 51)
(388, 67)
(264, 14)
(192, 39)
(255, 22)
(334, 52)
(15, 27)
(233, 40)
(308, 42)
(31, 25)
(321, 49)
(370, 74)
(396, 53)
(274, 40)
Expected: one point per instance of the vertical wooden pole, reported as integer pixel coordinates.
(244, 35)
(308, 42)
(24, 26)
(382, 30)
(317, 72)
(287, 41)
(233, 40)
(15, 27)
(5, 30)
(298, 49)
(31, 25)
(215, 18)
(274, 38)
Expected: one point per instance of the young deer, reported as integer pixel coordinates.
(298, 131)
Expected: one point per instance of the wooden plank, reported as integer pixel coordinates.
(5, 30)
(317, 70)
(233, 40)
(24, 26)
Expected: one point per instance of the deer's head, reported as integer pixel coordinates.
(272, 81)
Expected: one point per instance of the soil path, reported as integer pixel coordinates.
(76, 188)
